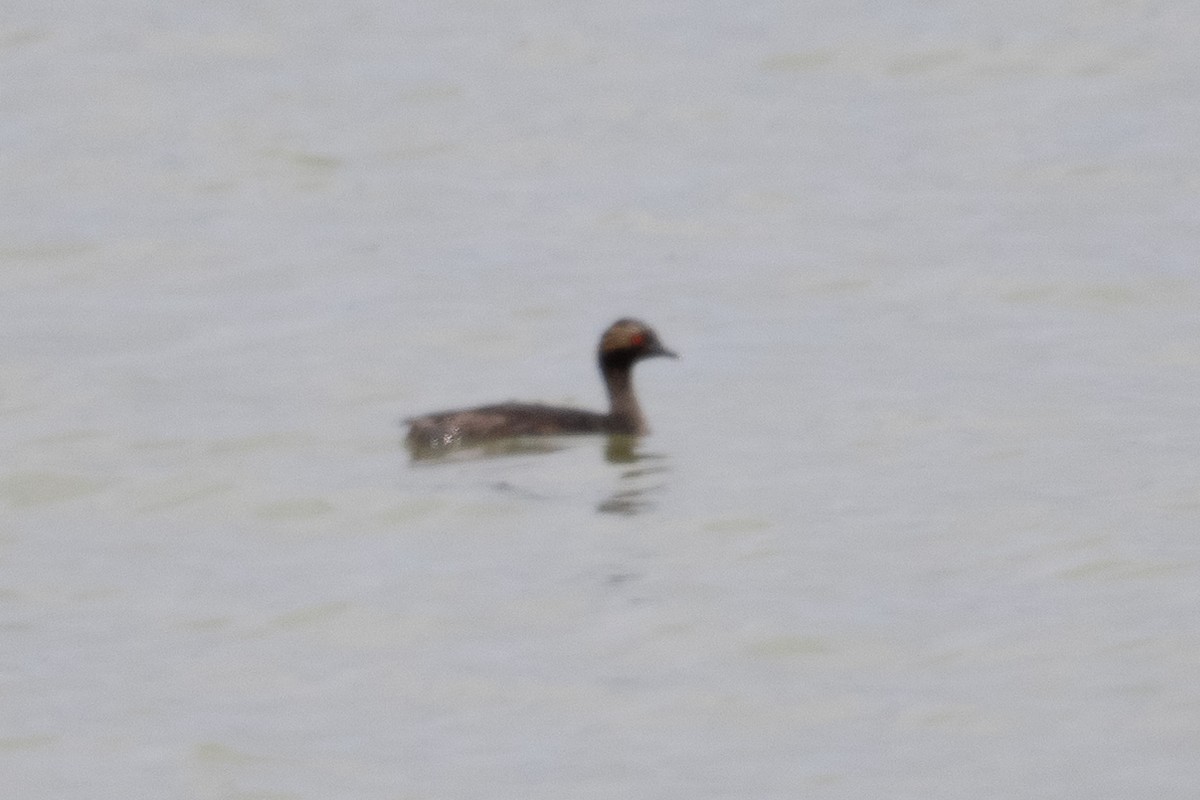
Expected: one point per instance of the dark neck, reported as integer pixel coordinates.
(624, 413)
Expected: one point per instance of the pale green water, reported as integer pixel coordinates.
(918, 518)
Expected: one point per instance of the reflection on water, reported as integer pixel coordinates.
(638, 481)
(638, 484)
(619, 449)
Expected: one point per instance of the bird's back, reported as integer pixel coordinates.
(504, 420)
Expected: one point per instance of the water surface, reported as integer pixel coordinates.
(918, 515)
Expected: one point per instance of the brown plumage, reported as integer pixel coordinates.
(626, 342)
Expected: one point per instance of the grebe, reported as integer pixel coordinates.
(626, 342)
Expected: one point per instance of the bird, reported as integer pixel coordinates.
(623, 344)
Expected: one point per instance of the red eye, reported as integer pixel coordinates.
(638, 339)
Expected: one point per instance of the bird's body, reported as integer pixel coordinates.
(623, 344)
